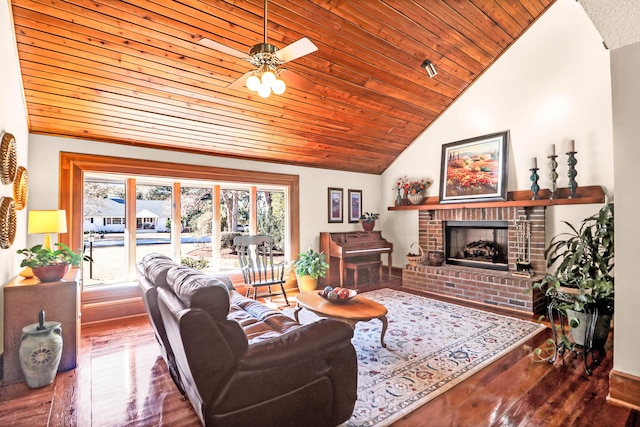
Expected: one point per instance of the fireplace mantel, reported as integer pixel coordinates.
(522, 198)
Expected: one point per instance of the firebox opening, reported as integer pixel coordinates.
(479, 244)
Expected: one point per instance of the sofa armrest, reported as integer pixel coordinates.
(309, 341)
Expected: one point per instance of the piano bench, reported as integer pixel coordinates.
(363, 265)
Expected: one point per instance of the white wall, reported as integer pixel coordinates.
(625, 63)
(552, 85)
(313, 182)
(13, 120)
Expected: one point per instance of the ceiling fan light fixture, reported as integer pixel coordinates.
(278, 87)
(253, 82)
(264, 91)
(268, 78)
(267, 60)
(430, 68)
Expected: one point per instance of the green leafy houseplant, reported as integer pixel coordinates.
(50, 265)
(369, 216)
(583, 276)
(311, 263)
(586, 257)
(37, 256)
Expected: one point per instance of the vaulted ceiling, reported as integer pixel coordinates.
(133, 72)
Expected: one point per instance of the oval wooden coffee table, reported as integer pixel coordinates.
(357, 309)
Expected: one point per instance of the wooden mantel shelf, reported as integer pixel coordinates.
(588, 194)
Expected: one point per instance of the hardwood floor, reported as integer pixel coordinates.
(122, 380)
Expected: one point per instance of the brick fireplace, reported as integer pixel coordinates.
(478, 283)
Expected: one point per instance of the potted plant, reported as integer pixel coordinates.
(583, 279)
(368, 220)
(310, 266)
(50, 265)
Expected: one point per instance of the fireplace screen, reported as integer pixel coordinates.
(480, 244)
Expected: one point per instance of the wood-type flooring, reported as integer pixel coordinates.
(121, 380)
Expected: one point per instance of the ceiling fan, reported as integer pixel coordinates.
(267, 59)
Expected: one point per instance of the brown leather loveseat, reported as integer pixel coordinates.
(241, 363)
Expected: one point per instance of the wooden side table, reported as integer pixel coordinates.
(23, 300)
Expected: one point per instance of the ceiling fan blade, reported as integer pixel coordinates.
(296, 49)
(295, 80)
(222, 48)
(238, 83)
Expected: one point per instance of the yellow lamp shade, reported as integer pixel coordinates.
(46, 222)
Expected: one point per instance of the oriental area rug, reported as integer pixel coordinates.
(431, 346)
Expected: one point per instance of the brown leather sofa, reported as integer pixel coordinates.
(241, 363)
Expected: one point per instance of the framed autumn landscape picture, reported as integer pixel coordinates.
(474, 169)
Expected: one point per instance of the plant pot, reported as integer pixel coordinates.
(307, 283)
(600, 333)
(416, 199)
(51, 273)
(368, 225)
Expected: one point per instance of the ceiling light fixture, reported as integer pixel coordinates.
(430, 68)
(266, 78)
(268, 61)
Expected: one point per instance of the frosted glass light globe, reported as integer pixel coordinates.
(253, 82)
(264, 91)
(278, 87)
(268, 78)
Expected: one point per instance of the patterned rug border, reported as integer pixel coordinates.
(423, 396)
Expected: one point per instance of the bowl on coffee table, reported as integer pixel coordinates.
(337, 295)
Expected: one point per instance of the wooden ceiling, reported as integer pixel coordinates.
(132, 72)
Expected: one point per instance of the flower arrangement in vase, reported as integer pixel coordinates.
(415, 189)
(400, 190)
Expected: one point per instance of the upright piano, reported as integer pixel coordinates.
(351, 246)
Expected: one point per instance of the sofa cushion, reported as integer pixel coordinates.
(155, 267)
(258, 321)
(198, 290)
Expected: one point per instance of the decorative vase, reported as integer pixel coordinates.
(416, 198)
(399, 198)
(435, 258)
(51, 273)
(307, 283)
(368, 225)
(40, 352)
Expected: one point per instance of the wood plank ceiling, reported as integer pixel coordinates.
(132, 72)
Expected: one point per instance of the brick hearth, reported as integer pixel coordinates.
(484, 286)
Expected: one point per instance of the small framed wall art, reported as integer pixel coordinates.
(335, 204)
(355, 205)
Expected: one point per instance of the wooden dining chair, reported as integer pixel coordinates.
(255, 254)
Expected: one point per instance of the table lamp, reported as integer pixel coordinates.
(45, 222)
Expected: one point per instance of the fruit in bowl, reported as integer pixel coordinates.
(337, 294)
